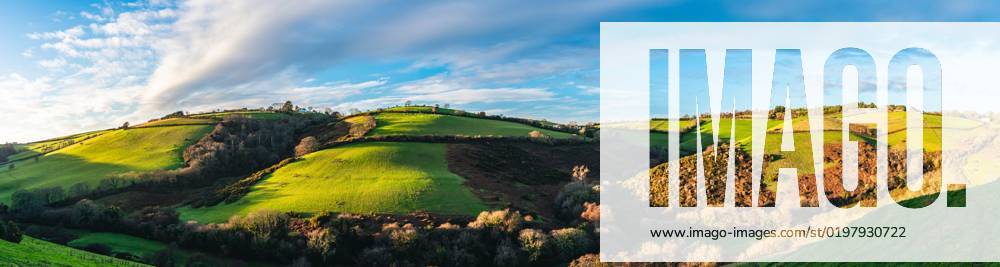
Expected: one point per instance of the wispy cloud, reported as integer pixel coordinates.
(137, 60)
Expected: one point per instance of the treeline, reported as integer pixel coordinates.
(495, 238)
(6, 150)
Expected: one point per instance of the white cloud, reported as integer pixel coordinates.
(53, 63)
(153, 57)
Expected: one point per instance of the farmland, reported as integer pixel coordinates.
(436, 124)
(114, 152)
(367, 177)
(34, 252)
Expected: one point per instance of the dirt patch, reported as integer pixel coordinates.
(524, 176)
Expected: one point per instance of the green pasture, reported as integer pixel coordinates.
(375, 177)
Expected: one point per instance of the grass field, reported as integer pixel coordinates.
(434, 124)
(119, 243)
(262, 115)
(46, 146)
(420, 109)
(178, 121)
(367, 177)
(116, 151)
(34, 252)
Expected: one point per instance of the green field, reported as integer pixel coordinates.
(367, 177)
(116, 151)
(261, 115)
(119, 243)
(34, 252)
(420, 109)
(664, 126)
(688, 143)
(41, 147)
(178, 121)
(435, 124)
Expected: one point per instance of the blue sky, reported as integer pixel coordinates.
(72, 66)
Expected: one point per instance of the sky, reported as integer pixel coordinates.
(75, 66)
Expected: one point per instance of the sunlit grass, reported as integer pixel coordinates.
(34, 252)
(114, 152)
(368, 177)
(435, 124)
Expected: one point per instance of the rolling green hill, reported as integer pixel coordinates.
(435, 124)
(41, 147)
(34, 252)
(178, 121)
(262, 115)
(367, 177)
(114, 152)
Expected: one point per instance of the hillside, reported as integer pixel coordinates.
(446, 125)
(34, 252)
(270, 187)
(374, 177)
(366, 177)
(111, 153)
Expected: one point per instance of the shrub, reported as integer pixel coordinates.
(79, 189)
(26, 204)
(306, 146)
(591, 212)
(507, 255)
(503, 220)
(571, 242)
(536, 134)
(569, 202)
(535, 244)
(376, 256)
(262, 224)
(322, 242)
(589, 260)
(10, 232)
(402, 238)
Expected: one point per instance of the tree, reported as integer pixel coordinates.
(306, 146)
(287, 107)
(262, 224)
(79, 189)
(408, 103)
(125, 125)
(10, 232)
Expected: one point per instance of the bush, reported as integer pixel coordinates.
(589, 260)
(536, 134)
(322, 242)
(376, 256)
(503, 220)
(10, 232)
(98, 248)
(262, 224)
(536, 245)
(507, 255)
(306, 146)
(571, 242)
(569, 202)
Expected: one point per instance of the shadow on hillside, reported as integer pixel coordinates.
(54, 170)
